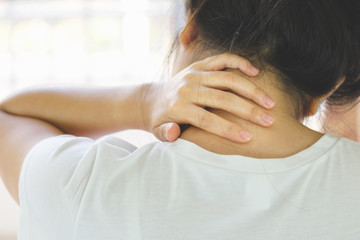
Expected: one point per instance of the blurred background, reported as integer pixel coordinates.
(93, 42)
(105, 42)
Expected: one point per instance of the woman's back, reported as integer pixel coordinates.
(181, 191)
(308, 190)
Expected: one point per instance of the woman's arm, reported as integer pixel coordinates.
(83, 111)
(31, 116)
(155, 107)
(28, 117)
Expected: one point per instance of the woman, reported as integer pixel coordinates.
(288, 182)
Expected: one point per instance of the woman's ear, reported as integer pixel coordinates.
(315, 103)
(314, 106)
(189, 34)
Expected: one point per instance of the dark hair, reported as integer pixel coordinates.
(311, 44)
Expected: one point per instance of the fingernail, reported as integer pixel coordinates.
(254, 70)
(167, 128)
(245, 135)
(269, 102)
(267, 119)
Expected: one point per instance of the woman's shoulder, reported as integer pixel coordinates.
(345, 144)
(344, 149)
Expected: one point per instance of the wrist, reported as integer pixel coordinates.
(146, 105)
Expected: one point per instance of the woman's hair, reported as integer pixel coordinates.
(310, 44)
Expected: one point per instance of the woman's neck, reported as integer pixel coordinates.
(286, 137)
(283, 139)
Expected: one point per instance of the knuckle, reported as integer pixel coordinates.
(184, 89)
(231, 130)
(229, 79)
(258, 92)
(221, 100)
(192, 78)
(254, 111)
(187, 84)
(224, 99)
(189, 76)
(232, 79)
(175, 105)
(256, 115)
(225, 55)
(228, 76)
(204, 120)
(195, 65)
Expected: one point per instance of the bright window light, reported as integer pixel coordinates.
(107, 42)
(96, 42)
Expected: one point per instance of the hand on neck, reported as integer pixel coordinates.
(285, 138)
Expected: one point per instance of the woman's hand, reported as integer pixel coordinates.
(94, 112)
(204, 84)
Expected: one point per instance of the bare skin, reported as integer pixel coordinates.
(286, 132)
(33, 115)
(343, 121)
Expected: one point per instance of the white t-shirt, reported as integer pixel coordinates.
(76, 188)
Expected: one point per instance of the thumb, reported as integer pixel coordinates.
(167, 132)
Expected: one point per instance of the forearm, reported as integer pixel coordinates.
(84, 111)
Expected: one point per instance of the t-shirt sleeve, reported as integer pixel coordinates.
(45, 189)
(54, 176)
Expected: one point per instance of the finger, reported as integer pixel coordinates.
(167, 132)
(212, 123)
(239, 85)
(160, 133)
(173, 132)
(223, 61)
(233, 104)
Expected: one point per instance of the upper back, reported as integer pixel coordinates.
(181, 191)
